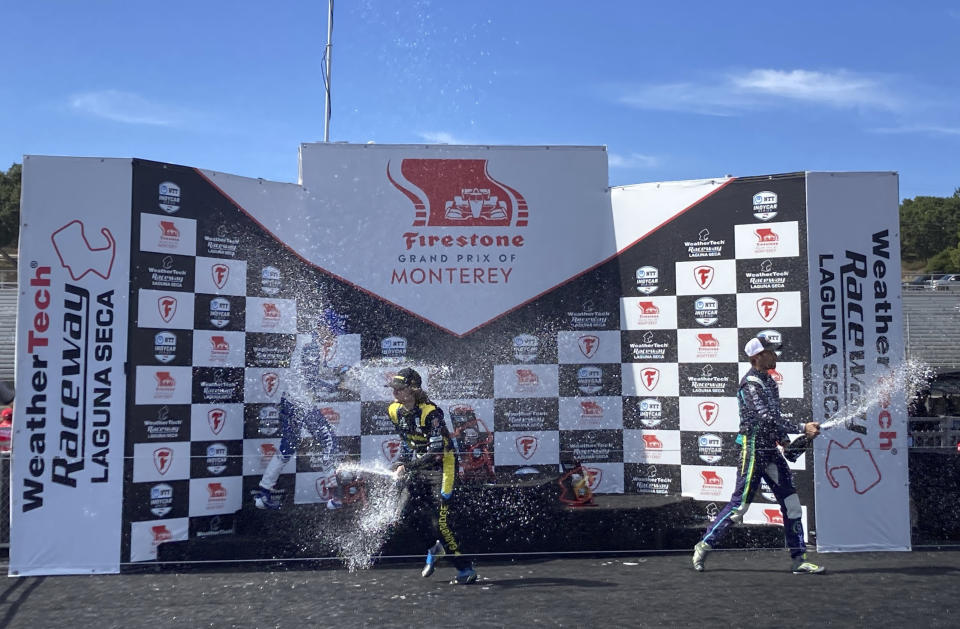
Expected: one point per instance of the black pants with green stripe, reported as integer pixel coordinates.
(756, 464)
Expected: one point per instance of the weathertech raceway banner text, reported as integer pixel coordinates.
(862, 479)
(67, 472)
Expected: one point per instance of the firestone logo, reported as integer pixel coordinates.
(649, 313)
(220, 273)
(526, 378)
(457, 193)
(707, 345)
(526, 446)
(712, 482)
(163, 459)
(166, 384)
(391, 450)
(767, 307)
(167, 307)
(169, 235)
(590, 409)
(216, 418)
(271, 383)
(588, 344)
(650, 378)
(709, 411)
(703, 275)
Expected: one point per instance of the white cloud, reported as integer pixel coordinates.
(762, 88)
(443, 137)
(126, 107)
(920, 129)
(840, 89)
(633, 160)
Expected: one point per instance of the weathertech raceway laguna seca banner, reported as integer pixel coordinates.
(556, 321)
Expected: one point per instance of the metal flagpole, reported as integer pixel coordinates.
(326, 77)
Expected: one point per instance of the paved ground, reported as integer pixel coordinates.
(739, 588)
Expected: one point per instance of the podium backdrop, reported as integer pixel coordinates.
(555, 320)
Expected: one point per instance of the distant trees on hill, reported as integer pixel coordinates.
(930, 232)
(9, 211)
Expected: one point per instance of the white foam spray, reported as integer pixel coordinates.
(906, 379)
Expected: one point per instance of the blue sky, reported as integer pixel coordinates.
(674, 90)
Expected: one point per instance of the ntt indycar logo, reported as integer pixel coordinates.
(765, 205)
(706, 311)
(526, 348)
(648, 279)
(169, 197)
(650, 411)
(393, 347)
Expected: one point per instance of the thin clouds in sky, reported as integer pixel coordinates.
(732, 94)
(126, 107)
(633, 160)
(923, 129)
(444, 137)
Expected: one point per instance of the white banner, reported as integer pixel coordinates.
(67, 476)
(471, 222)
(856, 336)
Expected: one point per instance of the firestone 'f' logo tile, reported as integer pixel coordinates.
(217, 418)
(220, 274)
(708, 412)
(703, 275)
(390, 449)
(650, 378)
(324, 486)
(163, 459)
(767, 307)
(589, 343)
(593, 475)
(526, 446)
(271, 382)
(167, 306)
(458, 193)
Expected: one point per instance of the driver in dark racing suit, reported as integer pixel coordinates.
(761, 430)
(428, 467)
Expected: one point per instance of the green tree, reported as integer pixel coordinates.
(9, 211)
(928, 226)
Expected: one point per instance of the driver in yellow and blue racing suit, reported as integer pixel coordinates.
(428, 452)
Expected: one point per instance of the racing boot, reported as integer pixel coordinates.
(435, 551)
(263, 499)
(465, 576)
(802, 566)
(700, 555)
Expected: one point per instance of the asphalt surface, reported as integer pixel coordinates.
(739, 588)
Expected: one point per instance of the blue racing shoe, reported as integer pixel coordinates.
(465, 577)
(333, 504)
(435, 551)
(263, 499)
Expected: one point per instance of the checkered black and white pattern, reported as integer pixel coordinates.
(631, 370)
